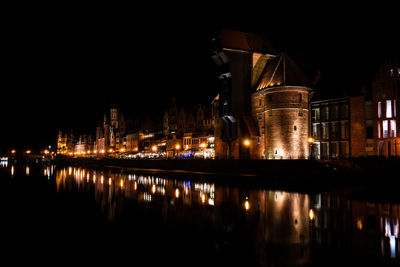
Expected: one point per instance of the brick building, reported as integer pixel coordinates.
(280, 108)
(385, 99)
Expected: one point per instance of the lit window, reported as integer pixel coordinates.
(393, 128)
(385, 126)
(379, 109)
(388, 108)
(379, 130)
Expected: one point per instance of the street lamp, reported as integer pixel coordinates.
(246, 142)
(310, 141)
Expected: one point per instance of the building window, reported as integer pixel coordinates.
(315, 114)
(334, 112)
(316, 129)
(325, 150)
(325, 131)
(295, 128)
(344, 130)
(300, 96)
(392, 128)
(270, 98)
(335, 131)
(324, 113)
(388, 108)
(379, 129)
(344, 111)
(334, 150)
(259, 102)
(385, 126)
(344, 149)
(379, 109)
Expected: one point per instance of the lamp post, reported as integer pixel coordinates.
(246, 143)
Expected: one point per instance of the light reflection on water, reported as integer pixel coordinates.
(281, 226)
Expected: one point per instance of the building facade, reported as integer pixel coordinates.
(385, 93)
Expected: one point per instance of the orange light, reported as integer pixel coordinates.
(247, 205)
(311, 140)
(154, 148)
(246, 142)
(202, 145)
(177, 193)
(311, 214)
(13, 151)
(28, 152)
(177, 147)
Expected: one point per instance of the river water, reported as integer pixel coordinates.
(98, 215)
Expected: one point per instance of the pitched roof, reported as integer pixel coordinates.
(245, 41)
(281, 70)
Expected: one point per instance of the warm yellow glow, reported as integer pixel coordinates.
(101, 179)
(310, 140)
(311, 214)
(88, 151)
(246, 142)
(359, 224)
(12, 170)
(122, 183)
(109, 181)
(28, 152)
(177, 193)
(135, 186)
(102, 151)
(46, 151)
(122, 150)
(177, 147)
(153, 188)
(13, 151)
(95, 151)
(247, 205)
(110, 150)
(154, 148)
(203, 198)
(203, 145)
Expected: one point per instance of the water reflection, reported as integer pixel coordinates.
(275, 226)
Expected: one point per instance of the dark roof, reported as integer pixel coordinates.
(281, 70)
(245, 41)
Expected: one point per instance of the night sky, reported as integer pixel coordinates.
(62, 65)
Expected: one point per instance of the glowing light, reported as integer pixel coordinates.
(110, 150)
(246, 142)
(122, 150)
(203, 198)
(122, 183)
(311, 140)
(27, 170)
(28, 152)
(177, 193)
(13, 151)
(95, 151)
(359, 224)
(311, 214)
(101, 179)
(154, 148)
(102, 151)
(177, 147)
(109, 181)
(247, 205)
(203, 145)
(135, 186)
(153, 188)
(12, 170)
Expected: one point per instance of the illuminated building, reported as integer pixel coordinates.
(280, 107)
(385, 99)
(65, 143)
(110, 136)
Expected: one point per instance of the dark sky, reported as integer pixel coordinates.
(62, 65)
